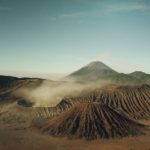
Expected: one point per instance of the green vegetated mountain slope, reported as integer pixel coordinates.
(122, 78)
(141, 76)
(98, 71)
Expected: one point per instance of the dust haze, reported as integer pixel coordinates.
(50, 94)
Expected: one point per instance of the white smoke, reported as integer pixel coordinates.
(46, 95)
(50, 94)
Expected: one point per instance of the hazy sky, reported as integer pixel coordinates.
(60, 36)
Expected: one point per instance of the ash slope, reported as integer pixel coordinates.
(91, 121)
(133, 101)
(8, 82)
(8, 85)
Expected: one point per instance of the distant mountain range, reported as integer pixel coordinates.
(98, 71)
(93, 72)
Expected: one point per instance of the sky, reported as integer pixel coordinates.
(56, 37)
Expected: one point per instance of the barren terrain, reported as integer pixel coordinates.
(110, 117)
(18, 127)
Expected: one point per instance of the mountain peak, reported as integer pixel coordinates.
(97, 65)
(95, 62)
(92, 71)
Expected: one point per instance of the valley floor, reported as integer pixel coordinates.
(17, 134)
(16, 138)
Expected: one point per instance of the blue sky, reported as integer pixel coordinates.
(40, 37)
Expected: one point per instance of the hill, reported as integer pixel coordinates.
(8, 85)
(91, 121)
(144, 77)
